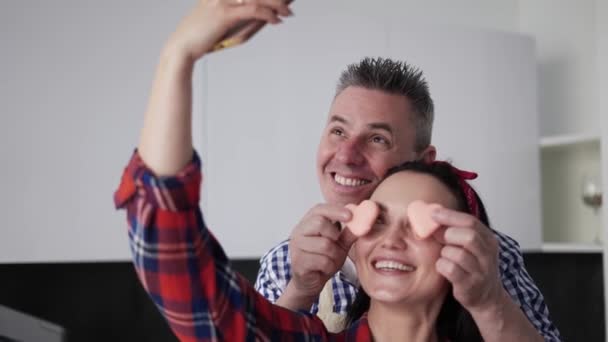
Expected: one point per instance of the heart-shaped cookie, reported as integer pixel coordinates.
(364, 216)
(420, 215)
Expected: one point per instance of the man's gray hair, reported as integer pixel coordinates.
(395, 77)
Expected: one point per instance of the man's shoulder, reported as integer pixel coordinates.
(279, 251)
(506, 241)
(509, 250)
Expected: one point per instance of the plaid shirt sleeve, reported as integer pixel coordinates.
(185, 271)
(274, 272)
(522, 288)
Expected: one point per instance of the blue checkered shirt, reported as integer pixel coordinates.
(275, 273)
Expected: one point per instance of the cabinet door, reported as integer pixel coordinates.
(266, 104)
(484, 87)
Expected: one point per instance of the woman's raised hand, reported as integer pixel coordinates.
(210, 20)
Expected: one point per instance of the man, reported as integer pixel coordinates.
(382, 116)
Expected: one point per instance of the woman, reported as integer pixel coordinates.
(421, 286)
(409, 299)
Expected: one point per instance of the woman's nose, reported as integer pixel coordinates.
(395, 237)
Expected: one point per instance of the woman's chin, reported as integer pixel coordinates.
(392, 296)
(387, 296)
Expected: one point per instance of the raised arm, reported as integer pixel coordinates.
(166, 138)
(178, 261)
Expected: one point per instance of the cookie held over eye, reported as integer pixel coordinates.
(364, 216)
(421, 220)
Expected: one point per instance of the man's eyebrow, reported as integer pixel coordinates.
(338, 118)
(374, 125)
(381, 125)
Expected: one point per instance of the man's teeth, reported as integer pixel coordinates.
(393, 265)
(349, 181)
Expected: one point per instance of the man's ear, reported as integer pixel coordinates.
(428, 154)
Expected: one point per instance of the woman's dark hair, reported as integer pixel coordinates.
(454, 323)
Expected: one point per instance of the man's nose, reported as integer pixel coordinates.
(350, 152)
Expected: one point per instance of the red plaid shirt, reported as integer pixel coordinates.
(187, 274)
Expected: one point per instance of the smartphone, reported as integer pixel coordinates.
(240, 33)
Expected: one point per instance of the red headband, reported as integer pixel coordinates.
(468, 191)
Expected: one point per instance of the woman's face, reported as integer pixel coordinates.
(393, 266)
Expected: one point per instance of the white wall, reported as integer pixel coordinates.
(489, 14)
(75, 78)
(267, 103)
(79, 76)
(566, 37)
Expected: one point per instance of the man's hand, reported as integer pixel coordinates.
(210, 20)
(317, 249)
(469, 260)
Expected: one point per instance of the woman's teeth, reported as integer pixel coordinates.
(392, 265)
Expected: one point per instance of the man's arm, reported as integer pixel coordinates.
(504, 320)
(274, 272)
(273, 280)
(293, 274)
(470, 261)
(522, 289)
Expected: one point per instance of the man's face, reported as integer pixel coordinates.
(367, 133)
